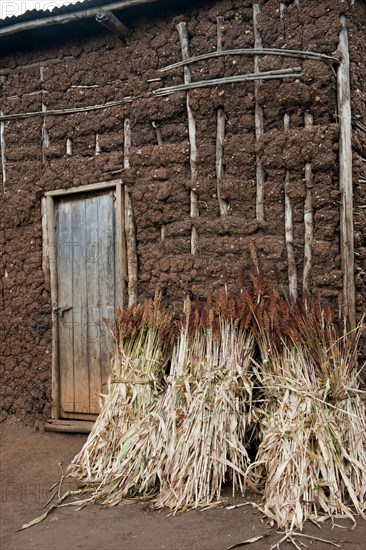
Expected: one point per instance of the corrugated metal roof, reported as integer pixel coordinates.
(40, 14)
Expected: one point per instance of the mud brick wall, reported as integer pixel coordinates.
(101, 69)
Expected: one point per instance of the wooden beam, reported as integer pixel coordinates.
(83, 188)
(112, 23)
(345, 174)
(68, 426)
(70, 17)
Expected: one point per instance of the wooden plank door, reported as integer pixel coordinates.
(85, 227)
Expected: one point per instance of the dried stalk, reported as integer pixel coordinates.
(289, 232)
(311, 459)
(143, 347)
(308, 218)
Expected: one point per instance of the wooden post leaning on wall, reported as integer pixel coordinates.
(220, 136)
(194, 212)
(2, 141)
(259, 120)
(121, 244)
(345, 174)
(308, 218)
(131, 266)
(289, 230)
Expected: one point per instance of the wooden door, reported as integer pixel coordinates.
(85, 232)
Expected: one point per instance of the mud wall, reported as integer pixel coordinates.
(103, 69)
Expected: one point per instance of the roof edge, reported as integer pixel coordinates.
(70, 17)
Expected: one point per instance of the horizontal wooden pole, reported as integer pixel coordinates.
(44, 63)
(72, 111)
(252, 52)
(70, 17)
(294, 72)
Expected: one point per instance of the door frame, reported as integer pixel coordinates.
(49, 265)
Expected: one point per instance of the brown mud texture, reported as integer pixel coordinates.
(95, 70)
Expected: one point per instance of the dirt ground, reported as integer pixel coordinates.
(29, 468)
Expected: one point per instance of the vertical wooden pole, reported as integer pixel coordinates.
(130, 232)
(220, 135)
(282, 10)
(289, 232)
(45, 139)
(132, 267)
(2, 141)
(345, 174)
(2, 147)
(259, 119)
(194, 211)
(223, 206)
(97, 146)
(52, 259)
(159, 135)
(127, 143)
(308, 218)
(68, 147)
(121, 251)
